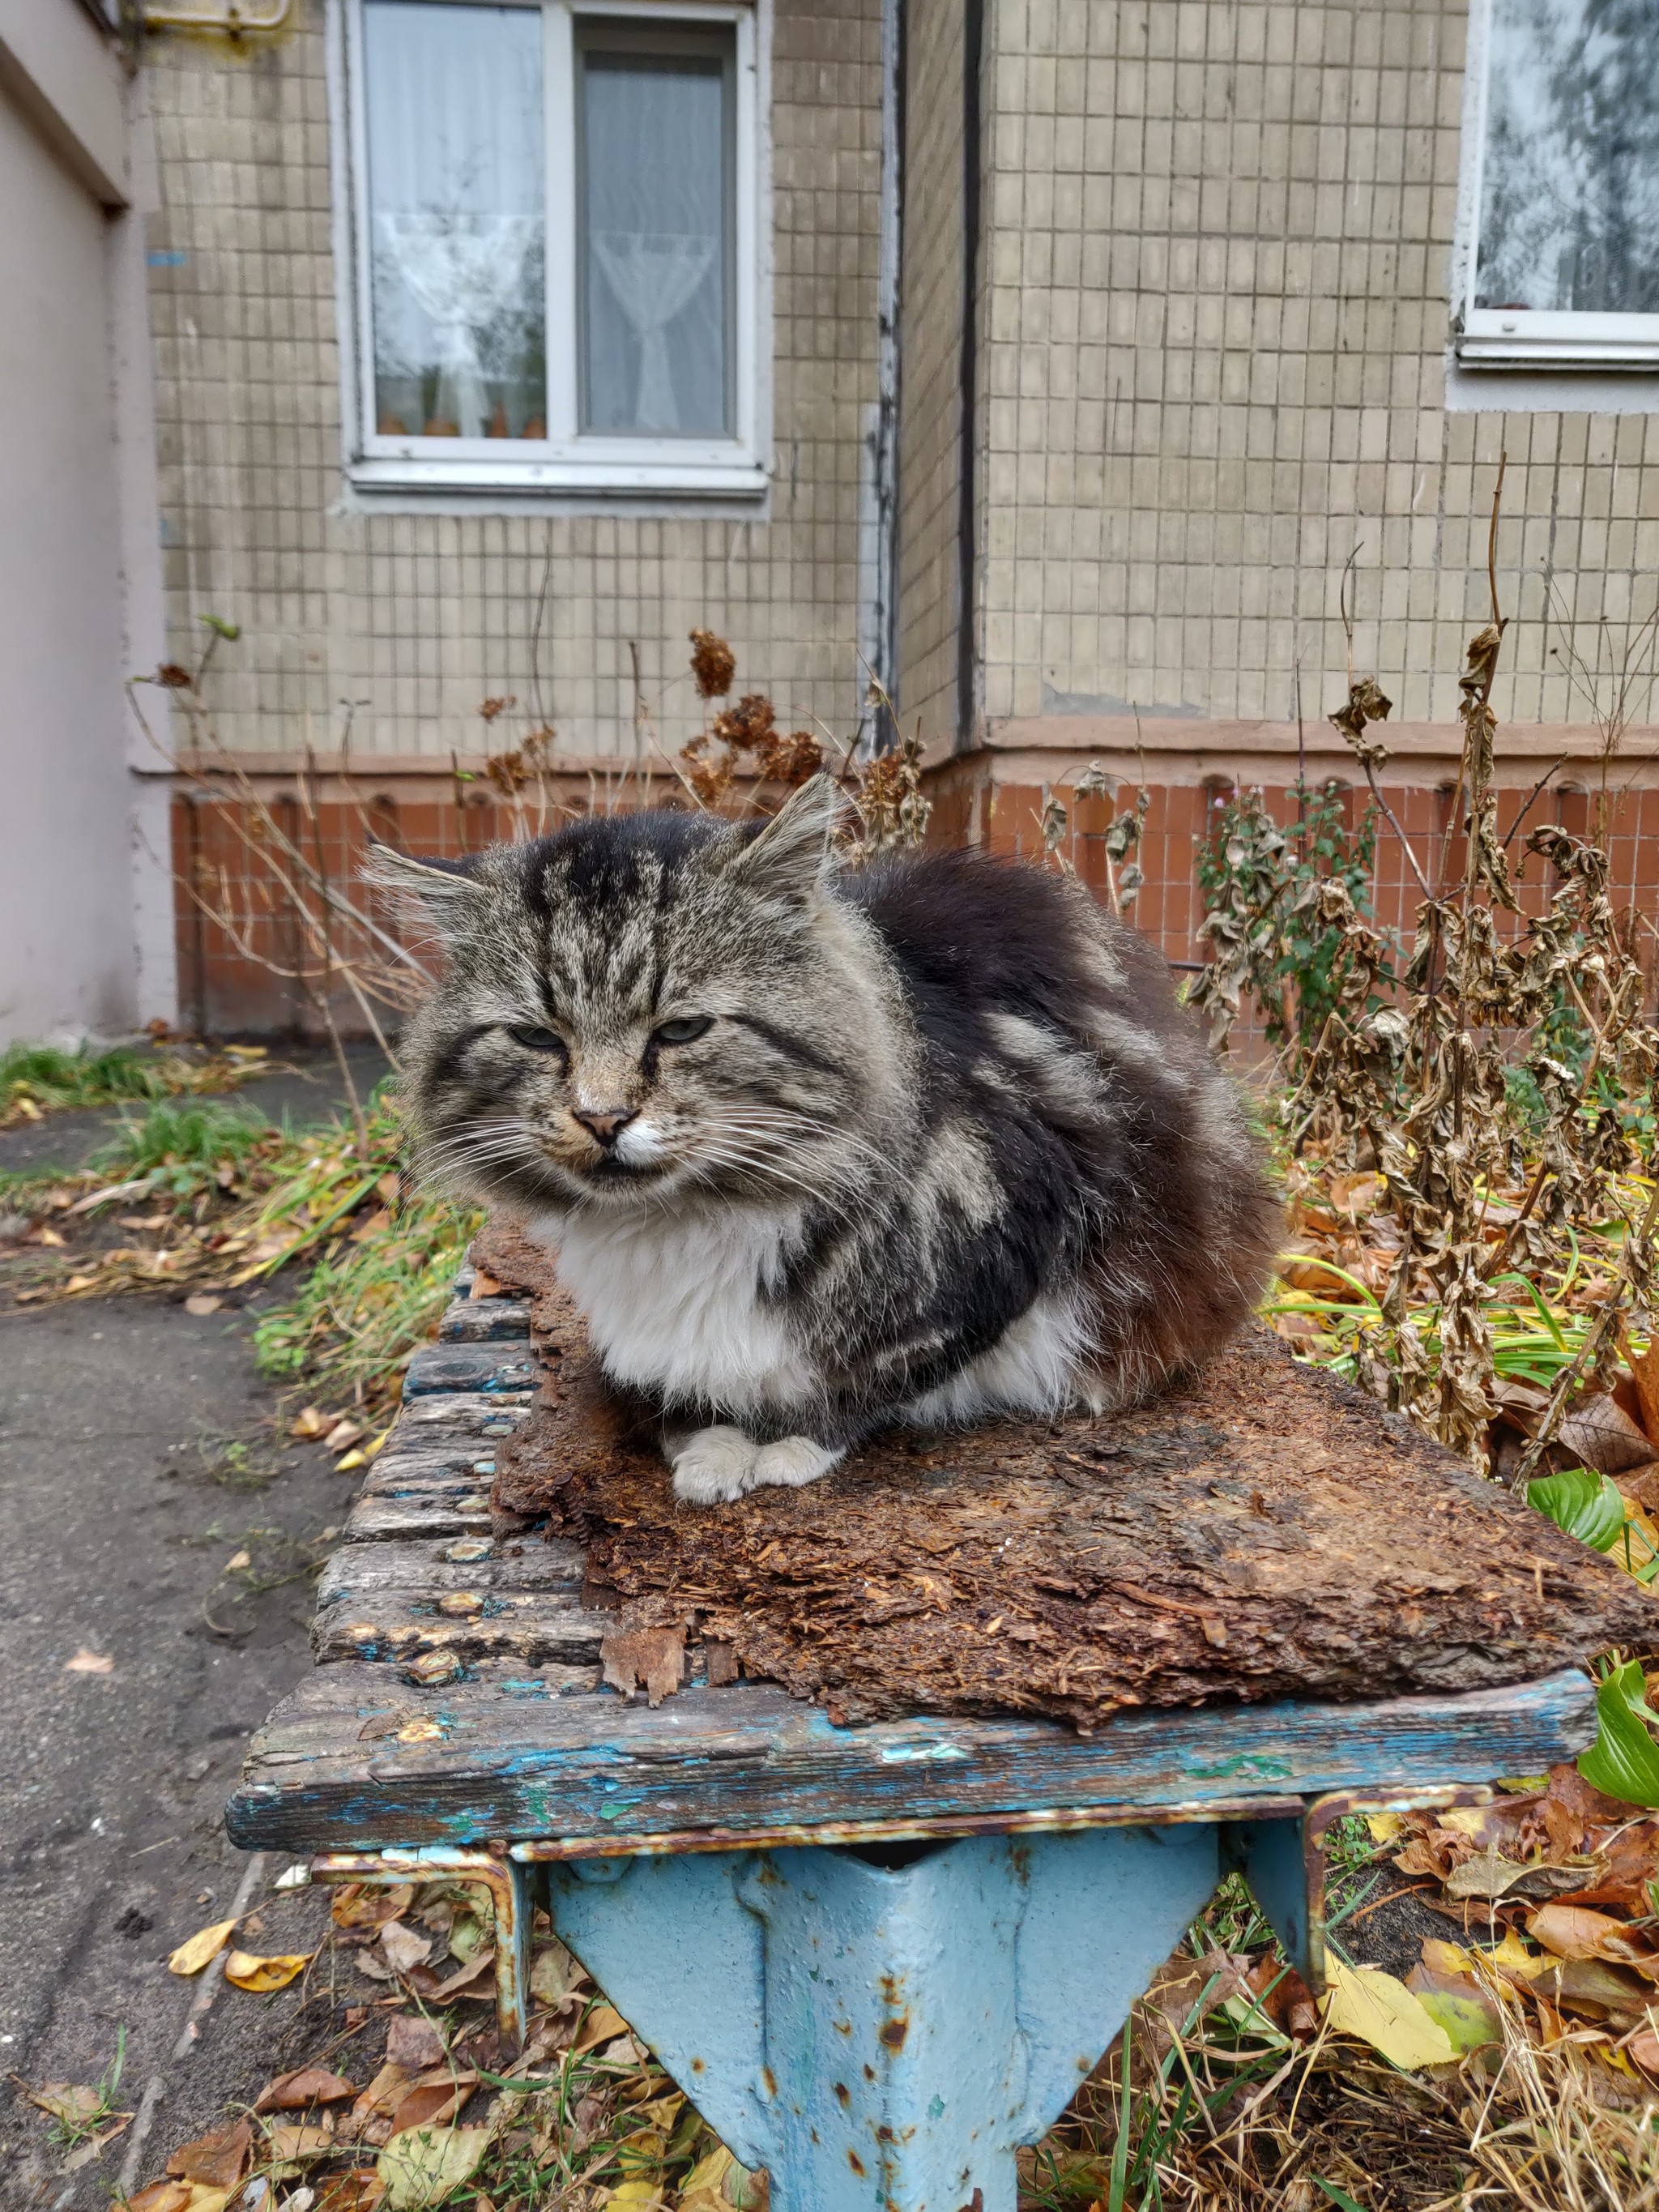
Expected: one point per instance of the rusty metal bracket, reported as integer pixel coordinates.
(511, 1888)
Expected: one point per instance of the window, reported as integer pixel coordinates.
(1561, 226)
(556, 223)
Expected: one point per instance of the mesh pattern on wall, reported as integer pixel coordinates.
(1218, 233)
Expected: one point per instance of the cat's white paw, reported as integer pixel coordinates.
(791, 1461)
(715, 1466)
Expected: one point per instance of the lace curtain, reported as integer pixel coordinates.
(456, 185)
(655, 209)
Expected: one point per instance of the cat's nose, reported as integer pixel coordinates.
(606, 1124)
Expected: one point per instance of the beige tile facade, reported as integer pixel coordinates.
(418, 616)
(1217, 237)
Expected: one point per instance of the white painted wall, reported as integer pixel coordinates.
(74, 555)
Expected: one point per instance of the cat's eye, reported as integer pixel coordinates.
(683, 1031)
(537, 1039)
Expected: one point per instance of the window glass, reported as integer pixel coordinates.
(653, 247)
(456, 187)
(1570, 185)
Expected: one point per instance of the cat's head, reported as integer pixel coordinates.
(641, 1008)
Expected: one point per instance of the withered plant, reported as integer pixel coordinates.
(1514, 1055)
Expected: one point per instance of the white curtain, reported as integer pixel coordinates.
(455, 179)
(656, 210)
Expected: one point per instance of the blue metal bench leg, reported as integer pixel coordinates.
(887, 2034)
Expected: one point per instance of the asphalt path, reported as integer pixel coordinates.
(140, 1461)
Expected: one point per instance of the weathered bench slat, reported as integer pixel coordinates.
(488, 1369)
(361, 1572)
(519, 1755)
(470, 1622)
(485, 1321)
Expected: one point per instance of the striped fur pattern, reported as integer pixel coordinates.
(826, 1149)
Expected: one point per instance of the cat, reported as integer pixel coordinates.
(824, 1148)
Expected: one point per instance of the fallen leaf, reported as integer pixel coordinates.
(484, 1284)
(1603, 1434)
(345, 1432)
(203, 1303)
(428, 2103)
(552, 1973)
(413, 2044)
(71, 2102)
(402, 1947)
(603, 2025)
(218, 2160)
(202, 1949)
(84, 2154)
(1643, 2049)
(361, 2192)
(288, 2148)
(1579, 1931)
(308, 1422)
(308, 2085)
(1457, 2004)
(370, 1904)
(637, 2195)
(89, 1662)
(1592, 1987)
(1645, 1373)
(420, 2167)
(651, 1657)
(377, 2103)
(476, 1979)
(719, 2184)
(237, 1561)
(1364, 2002)
(161, 2196)
(249, 1973)
(1488, 1874)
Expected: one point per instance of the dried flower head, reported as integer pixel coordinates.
(789, 760)
(713, 664)
(488, 708)
(709, 779)
(173, 677)
(749, 724)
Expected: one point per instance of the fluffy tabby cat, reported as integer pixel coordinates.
(825, 1149)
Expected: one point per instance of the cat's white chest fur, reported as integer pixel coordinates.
(677, 1306)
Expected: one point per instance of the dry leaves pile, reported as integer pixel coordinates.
(408, 2102)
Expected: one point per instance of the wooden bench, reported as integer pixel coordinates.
(877, 1957)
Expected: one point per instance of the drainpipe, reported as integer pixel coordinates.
(886, 612)
(973, 55)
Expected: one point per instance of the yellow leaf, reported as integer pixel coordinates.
(259, 1975)
(1385, 1826)
(602, 2024)
(640, 2195)
(1366, 2003)
(87, 1662)
(1462, 1819)
(421, 2165)
(352, 1459)
(204, 1946)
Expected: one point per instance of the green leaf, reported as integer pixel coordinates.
(1586, 1504)
(1337, 2195)
(1623, 1762)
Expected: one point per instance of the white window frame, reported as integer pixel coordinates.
(1521, 339)
(570, 460)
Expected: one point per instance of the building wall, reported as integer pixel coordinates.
(930, 389)
(67, 957)
(1218, 233)
(417, 617)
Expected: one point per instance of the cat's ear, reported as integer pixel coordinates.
(791, 858)
(447, 889)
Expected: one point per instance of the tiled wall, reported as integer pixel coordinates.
(421, 616)
(1217, 242)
